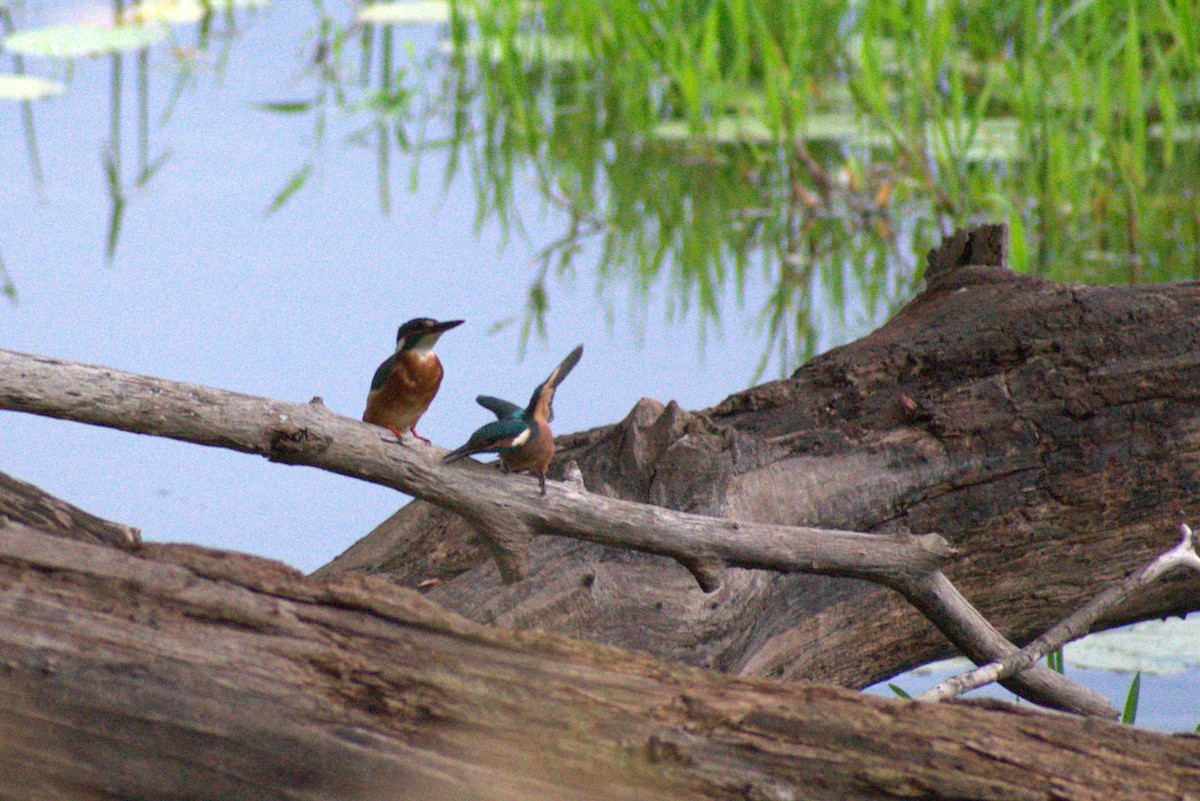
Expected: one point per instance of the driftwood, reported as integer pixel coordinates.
(1051, 433)
(145, 671)
(506, 519)
(176, 672)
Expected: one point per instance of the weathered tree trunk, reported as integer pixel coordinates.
(175, 672)
(1049, 431)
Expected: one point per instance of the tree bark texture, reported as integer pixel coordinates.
(1050, 432)
(177, 672)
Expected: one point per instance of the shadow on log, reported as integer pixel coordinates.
(1048, 431)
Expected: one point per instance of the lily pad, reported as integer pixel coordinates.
(415, 12)
(73, 41)
(541, 48)
(1181, 132)
(992, 140)
(180, 12)
(1155, 647)
(28, 87)
(731, 128)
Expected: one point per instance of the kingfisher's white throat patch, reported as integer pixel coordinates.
(423, 345)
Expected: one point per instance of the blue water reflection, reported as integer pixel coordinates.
(206, 287)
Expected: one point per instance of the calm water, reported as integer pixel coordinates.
(206, 287)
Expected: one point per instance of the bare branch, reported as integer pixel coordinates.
(1073, 626)
(510, 512)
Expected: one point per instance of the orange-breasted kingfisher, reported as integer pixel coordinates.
(404, 385)
(522, 437)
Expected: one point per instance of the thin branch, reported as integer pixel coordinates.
(1073, 626)
(311, 434)
(509, 512)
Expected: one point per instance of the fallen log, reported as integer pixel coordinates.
(184, 673)
(1049, 432)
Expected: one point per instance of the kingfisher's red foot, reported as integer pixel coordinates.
(418, 436)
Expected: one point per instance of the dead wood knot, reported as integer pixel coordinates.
(289, 442)
(980, 246)
(667, 747)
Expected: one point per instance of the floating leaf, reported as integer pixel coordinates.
(72, 41)
(545, 49)
(994, 139)
(1181, 132)
(176, 12)
(417, 12)
(1155, 647)
(28, 87)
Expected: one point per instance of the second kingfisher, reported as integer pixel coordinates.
(522, 437)
(406, 382)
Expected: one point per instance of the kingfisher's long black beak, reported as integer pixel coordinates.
(438, 328)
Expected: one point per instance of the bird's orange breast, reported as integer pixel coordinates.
(534, 454)
(406, 392)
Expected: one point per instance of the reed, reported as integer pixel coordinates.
(812, 151)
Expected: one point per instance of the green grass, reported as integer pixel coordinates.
(820, 147)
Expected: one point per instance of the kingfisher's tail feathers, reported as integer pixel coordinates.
(458, 453)
(498, 406)
(544, 394)
(500, 435)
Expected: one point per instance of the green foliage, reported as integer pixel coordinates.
(1129, 713)
(355, 76)
(822, 146)
(801, 157)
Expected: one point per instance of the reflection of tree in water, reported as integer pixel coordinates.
(130, 31)
(799, 158)
(824, 147)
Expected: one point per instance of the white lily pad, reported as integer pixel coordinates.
(180, 12)
(28, 87)
(542, 48)
(748, 128)
(73, 41)
(415, 12)
(993, 139)
(1155, 647)
(1180, 132)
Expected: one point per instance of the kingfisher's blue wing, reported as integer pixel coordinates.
(381, 374)
(500, 407)
(491, 438)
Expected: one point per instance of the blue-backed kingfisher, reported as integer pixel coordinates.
(404, 385)
(522, 437)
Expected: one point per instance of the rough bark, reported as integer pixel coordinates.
(1050, 432)
(506, 518)
(176, 672)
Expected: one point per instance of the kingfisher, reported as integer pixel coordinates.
(522, 437)
(404, 385)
